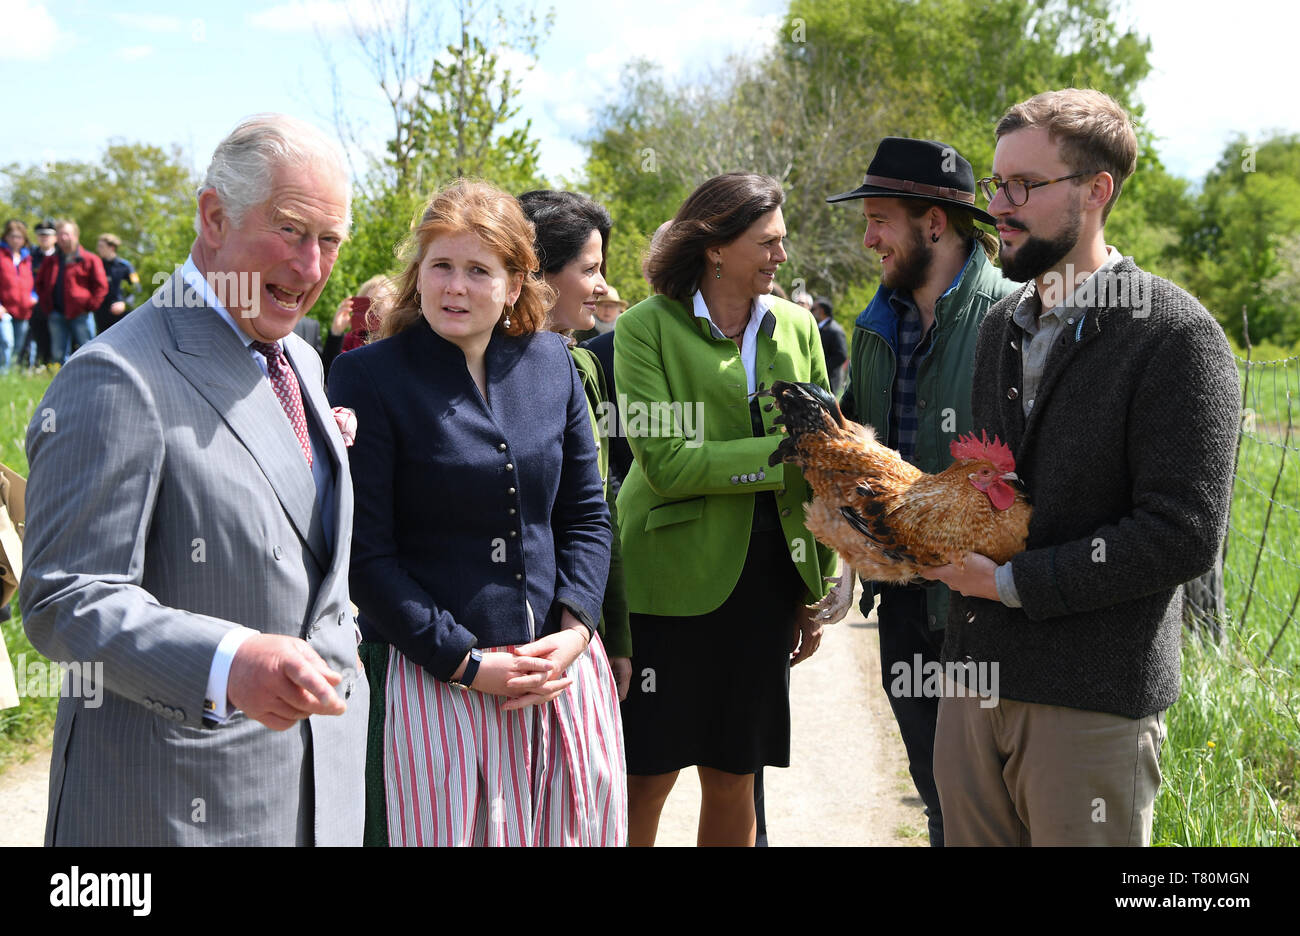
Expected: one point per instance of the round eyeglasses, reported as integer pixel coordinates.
(1017, 190)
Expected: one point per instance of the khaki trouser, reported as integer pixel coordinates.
(1021, 773)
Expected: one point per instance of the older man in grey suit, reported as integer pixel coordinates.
(189, 523)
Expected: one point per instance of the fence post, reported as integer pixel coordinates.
(1204, 605)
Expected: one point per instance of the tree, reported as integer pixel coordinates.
(1237, 243)
(453, 100)
(140, 192)
(843, 75)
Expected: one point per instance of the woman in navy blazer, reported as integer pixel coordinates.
(481, 546)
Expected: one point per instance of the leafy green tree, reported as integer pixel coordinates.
(140, 192)
(843, 75)
(1248, 210)
(454, 107)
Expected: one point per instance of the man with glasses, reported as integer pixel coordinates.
(1118, 395)
(910, 378)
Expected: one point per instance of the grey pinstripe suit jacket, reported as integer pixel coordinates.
(168, 501)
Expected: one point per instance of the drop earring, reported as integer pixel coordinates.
(506, 321)
(934, 238)
(717, 269)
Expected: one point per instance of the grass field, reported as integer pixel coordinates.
(1230, 760)
(33, 720)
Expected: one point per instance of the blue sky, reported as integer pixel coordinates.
(167, 72)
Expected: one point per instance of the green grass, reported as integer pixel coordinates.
(32, 722)
(1229, 761)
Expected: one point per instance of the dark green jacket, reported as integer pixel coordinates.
(687, 507)
(615, 629)
(943, 379)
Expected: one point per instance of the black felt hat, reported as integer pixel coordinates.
(923, 169)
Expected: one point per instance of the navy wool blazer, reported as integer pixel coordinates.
(465, 510)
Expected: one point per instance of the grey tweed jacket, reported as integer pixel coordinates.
(1127, 458)
(169, 501)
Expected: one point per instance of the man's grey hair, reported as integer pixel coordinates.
(243, 163)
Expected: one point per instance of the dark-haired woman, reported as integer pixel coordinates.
(481, 547)
(718, 564)
(572, 237)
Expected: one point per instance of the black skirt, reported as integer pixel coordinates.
(714, 690)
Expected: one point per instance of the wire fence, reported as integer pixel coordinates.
(1258, 582)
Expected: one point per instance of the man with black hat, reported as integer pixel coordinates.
(910, 379)
(37, 348)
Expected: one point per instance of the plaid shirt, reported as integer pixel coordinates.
(912, 349)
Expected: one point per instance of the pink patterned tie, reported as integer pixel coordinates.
(285, 383)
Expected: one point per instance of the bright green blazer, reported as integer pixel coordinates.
(686, 509)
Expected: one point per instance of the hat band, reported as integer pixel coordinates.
(920, 188)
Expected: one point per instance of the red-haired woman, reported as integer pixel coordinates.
(481, 548)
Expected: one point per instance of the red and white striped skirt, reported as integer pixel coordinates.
(460, 771)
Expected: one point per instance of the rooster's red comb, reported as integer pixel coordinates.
(997, 452)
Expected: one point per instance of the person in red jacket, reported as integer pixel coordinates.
(69, 290)
(15, 291)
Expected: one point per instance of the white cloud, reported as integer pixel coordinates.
(134, 53)
(30, 34)
(1213, 76)
(149, 22)
(327, 16)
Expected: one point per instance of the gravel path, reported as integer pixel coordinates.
(848, 783)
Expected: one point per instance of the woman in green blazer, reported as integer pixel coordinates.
(717, 561)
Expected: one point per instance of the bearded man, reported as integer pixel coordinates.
(909, 378)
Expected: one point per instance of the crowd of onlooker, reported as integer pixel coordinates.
(56, 296)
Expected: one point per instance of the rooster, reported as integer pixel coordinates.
(888, 519)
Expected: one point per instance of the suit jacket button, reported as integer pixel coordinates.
(511, 511)
(514, 532)
(1012, 393)
(510, 491)
(735, 479)
(785, 512)
(277, 552)
(501, 447)
(509, 467)
(519, 577)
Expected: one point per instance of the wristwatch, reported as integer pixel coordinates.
(471, 670)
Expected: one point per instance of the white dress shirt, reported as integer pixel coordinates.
(748, 341)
